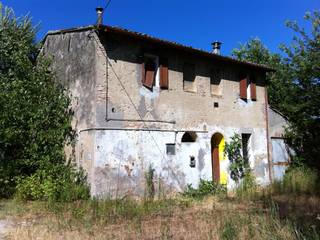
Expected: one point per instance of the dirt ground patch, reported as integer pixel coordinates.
(5, 226)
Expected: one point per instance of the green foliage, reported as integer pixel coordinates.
(150, 190)
(238, 164)
(205, 188)
(294, 89)
(56, 183)
(35, 119)
(303, 59)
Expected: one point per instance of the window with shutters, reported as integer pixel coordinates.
(154, 72)
(248, 87)
(189, 77)
(215, 82)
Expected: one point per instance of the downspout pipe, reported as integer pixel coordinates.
(267, 133)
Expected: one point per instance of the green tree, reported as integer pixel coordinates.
(303, 59)
(294, 87)
(35, 119)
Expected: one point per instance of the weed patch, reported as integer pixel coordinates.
(205, 188)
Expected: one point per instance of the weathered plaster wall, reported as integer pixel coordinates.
(277, 123)
(187, 109)
(73, 62)
(73, 57)
(123, 157)
(280, 151)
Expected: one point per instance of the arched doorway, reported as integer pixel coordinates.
(217, 148)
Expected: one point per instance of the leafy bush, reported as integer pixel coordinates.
(238, 164)
(205, 188)
(57, 183)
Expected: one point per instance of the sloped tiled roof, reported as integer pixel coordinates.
(146, 37)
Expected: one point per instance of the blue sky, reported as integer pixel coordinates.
(196, 23)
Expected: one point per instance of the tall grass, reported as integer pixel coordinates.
(247, 188)
(95, 211)
(248, 214)
(301, 180)
(211, 218)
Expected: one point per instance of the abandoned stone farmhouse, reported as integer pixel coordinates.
(140, 102)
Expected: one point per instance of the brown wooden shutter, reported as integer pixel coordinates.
(253, 89)
(164, 76)
(149, 74)
(243, 88)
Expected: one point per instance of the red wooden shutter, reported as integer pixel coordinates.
(149, 74)
(243, 88)
(164, 76)
(253, 90)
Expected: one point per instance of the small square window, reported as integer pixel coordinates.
(171, 148)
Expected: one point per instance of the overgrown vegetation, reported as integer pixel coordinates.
(298, 180)
(223, 217)
(35, 119)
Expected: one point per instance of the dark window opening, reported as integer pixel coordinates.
(245, 146)
(189, 137)
(192, 162)
(189, 77)
(171, 148)
(215, 82)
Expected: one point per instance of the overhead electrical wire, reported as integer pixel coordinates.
(107, 5)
